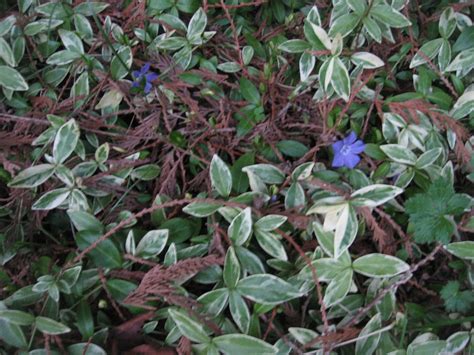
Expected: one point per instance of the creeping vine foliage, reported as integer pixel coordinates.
(237, 177)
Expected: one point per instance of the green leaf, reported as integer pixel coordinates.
(65, 141)
(367, 60)
(83, 220)
(256, 288)
(463, 250)
(463, 61)
(344, 24)
(50, 326)
(346, 230)
(201, 209)
(302, 335)
(146, 172)
(465, 40)
(338, 288)
(6, 53)
(457, 342)
(379, 265)
(90, 8)
(12, 334)
(6, 24)
(63, 57)
(268, 173)
(239, 311)
(51, 199)
(375, 195)
(241, 227)
(240, 181)
(221, 178)
(463, 106)
(71, 41)
(189, 327)
(172, 43)
(249, 91)
(85, 321)
(427, 50)
(367, 345)
(388, 15)
(399, 154)
(152, 244)
(340, 79)
(242, 344)
(231, 272)
(447, 22)
(214, 301)
(12, 79)
(270, 222)
(229, 67)
(105, 254)
(358, 6)
(306, 65)
(120, 68)
(33, 176)
(295, 196)
(291, 148)
(269, 242)
(428, 158)
(326, 268)
(16, 317)
(197, 24)
(317, 36)
(294, 46)
(372, 28)
(85, 348)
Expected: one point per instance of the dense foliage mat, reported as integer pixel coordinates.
(236, 176)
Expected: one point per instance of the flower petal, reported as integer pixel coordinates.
(337, 146)
(145, 68)
(136, 74)
(358, 147)
(338, 161)
(148, 87)
(351, 160)
(351, 138)
(151, 76)
(135, 84)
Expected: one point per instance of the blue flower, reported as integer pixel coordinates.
(346, 151)
(144, 76)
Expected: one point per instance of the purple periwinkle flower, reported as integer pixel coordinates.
(144, 75)
(346, 151)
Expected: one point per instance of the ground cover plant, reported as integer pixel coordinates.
(238, 177)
